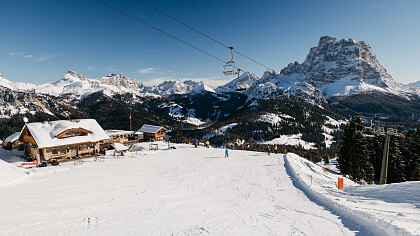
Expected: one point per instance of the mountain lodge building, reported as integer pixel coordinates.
(153, 133)
(62, 138)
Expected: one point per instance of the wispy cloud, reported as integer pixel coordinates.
(145, 71)
(37, 58)
(15, 53)
(91, 68)
(45, 57)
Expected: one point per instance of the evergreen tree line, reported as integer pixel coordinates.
(360, 154)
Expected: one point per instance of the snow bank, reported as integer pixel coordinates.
(10, 173)
(292, 140)
(362, 206)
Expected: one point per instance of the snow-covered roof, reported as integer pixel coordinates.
(150, 129)
(12, 138)
(45, 134)
(117, 132)
(119, 146)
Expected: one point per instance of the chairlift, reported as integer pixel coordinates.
(240, 86)
(229, 67)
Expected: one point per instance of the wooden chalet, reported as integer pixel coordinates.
(62, 139)
(12, 142)
(153, 133)
(119, 136)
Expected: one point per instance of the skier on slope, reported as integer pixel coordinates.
(275, 149)
(195, 142)
(207, 144)
(226, 153)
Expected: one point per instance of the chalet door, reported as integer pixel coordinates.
(41, 154)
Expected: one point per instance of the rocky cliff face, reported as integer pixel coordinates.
(334, 59)
(344, 67)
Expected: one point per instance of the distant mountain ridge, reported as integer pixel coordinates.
(333, 67)
(80, 86)
(414, 84)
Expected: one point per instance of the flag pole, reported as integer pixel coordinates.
(130, 122)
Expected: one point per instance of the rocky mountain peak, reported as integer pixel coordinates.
(347, 63)
(72, 74)
(119, 80)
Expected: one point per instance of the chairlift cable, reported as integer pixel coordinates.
(203, 34)
(168, 34)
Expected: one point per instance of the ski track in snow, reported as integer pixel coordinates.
(186, 191)
(368, 209)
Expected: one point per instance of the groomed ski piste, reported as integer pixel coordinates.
(196, 191)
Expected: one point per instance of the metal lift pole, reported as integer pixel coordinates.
(384, 169)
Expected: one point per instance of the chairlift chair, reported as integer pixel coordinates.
(229, 67)
(240, 87)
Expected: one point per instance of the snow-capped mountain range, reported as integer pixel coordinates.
(79, 86)
(334, 67)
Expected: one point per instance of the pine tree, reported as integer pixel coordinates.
(353, 154)
(376, 147)
(395, 162)
(415, 176)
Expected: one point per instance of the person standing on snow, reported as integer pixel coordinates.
(226, 153)
(207, 144)
(268, 150)
(275, 149)
(195, 142)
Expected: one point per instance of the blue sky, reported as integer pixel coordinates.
(41, 40)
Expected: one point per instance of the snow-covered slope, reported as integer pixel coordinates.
(185, 191)
(195, 191)
(391, 209)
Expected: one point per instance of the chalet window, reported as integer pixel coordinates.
(68, 134)
(63, 150)
(72, 148)
(54, 151)
(76, 133)
(84, 146)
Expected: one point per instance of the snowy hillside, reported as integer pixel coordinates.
(196, 191)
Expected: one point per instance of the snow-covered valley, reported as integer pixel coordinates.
(196, 191)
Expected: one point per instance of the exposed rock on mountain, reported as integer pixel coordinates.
(344, 67)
